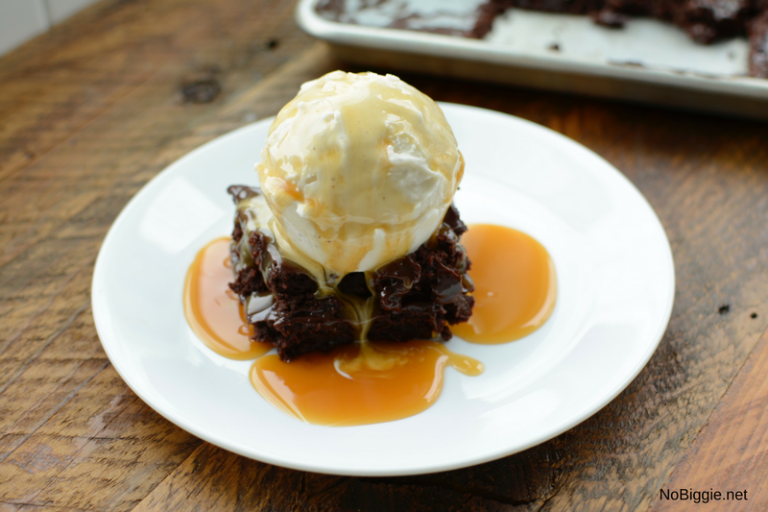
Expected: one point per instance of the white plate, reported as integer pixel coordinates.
(616, 286)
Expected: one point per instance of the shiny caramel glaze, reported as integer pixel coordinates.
(361, 383)
(358, 170)
(515, 284)
(213, 310)
(357, 384)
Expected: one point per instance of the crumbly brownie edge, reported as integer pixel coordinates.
(300, 322)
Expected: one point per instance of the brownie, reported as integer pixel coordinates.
(758, 42)
(415, 297)
(711, 20)
(493, 8)
(705, 21)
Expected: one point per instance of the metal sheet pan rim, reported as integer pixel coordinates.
(477, 50)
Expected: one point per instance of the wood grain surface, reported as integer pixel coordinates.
(92, 110)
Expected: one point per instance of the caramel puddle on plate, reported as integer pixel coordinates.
(213, 310)
(359, 384)
(354, 385)
(515, 285)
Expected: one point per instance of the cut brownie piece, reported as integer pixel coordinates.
(668, 10)
(758, 42)
(493, 8)
(419, 295)
(705, 21)
(415, 297)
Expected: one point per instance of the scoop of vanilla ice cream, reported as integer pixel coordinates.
(358, 170)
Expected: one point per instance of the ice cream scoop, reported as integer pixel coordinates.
(358, 170)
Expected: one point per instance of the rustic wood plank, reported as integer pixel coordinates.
(88, 455)
(227, 482)
(91, 111)
(731, 451)
(143, 65)
(44, 372)
(59, 243)
(104, 436)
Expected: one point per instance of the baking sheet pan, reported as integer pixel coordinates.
(647, 61)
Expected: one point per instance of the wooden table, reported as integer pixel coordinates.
(92, 110)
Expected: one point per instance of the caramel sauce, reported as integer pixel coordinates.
(361, 383)
(354, 385)
(515, 285)
(213, 310)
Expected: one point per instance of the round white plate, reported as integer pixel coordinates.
(616, 286)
